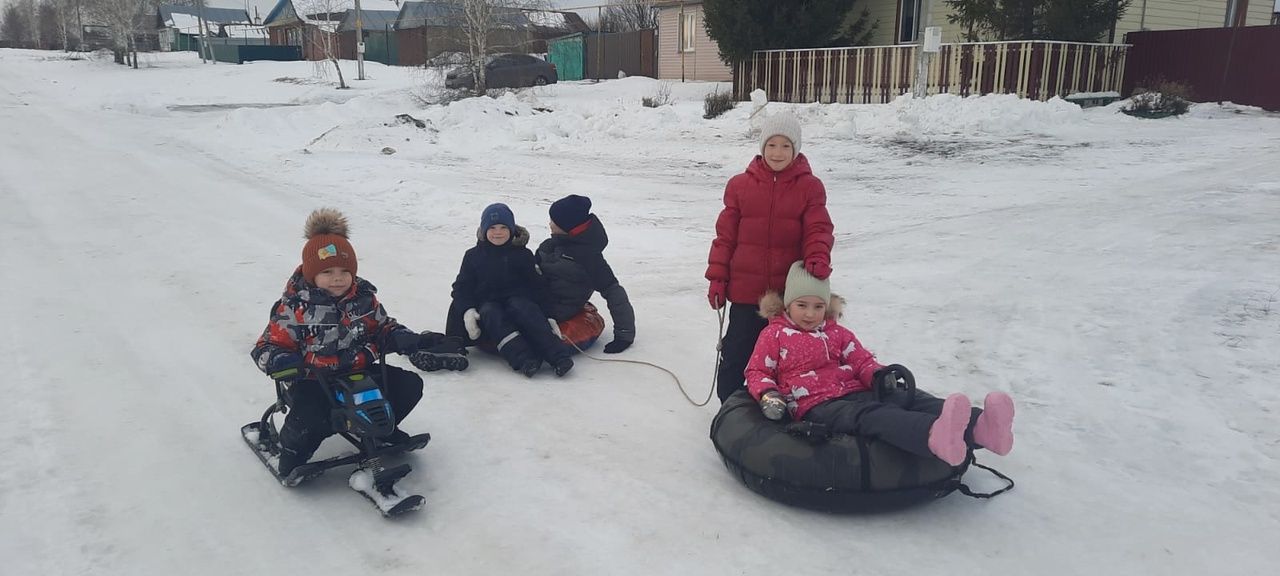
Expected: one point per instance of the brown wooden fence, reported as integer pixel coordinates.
(1219, 64)
(878, 74)
(635, 53)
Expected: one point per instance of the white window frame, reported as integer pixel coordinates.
(688, 31)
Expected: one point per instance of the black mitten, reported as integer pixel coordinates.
(405, 342)
(616, 346)
(287, 366)
(438, 343)
(885, 377)
(894, 382)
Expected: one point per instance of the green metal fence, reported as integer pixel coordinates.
(567, 54)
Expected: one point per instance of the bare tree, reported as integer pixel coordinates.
(321, 18)
(53, 23)
(120, 16)
(65, 13)
(31, 14)
(629, 15)
(481, 21)
(47, 25)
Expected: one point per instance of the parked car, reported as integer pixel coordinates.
(506, 71)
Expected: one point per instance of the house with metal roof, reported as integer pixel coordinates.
(425, 30)
(179, 26)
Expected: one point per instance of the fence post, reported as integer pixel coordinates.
(1226, 68)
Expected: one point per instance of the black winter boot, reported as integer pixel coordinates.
(517, 352)
(432, 361)
(301, 433)
(563, 366)
(288, 461)
(530, 367)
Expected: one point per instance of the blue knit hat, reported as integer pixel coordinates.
(497, 214)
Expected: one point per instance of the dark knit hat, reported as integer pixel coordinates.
(571, 211)
(497, 214)
(327, 245)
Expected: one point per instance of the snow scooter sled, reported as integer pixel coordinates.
(360, 415)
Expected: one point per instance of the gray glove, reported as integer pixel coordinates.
(773, 405)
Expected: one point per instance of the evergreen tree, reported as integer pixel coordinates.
(1066, 20)
(14, 25)
(1081, 20)
(741, 27)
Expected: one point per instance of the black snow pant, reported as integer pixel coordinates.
(308, 422)
(521, 331)
(860, 414)
(745, 325)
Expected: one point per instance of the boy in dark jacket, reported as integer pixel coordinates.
(497, 293)
(330, 320)
(573, 265)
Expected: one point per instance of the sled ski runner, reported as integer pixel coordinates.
(378, 486)
(362, 417)
(370, 479)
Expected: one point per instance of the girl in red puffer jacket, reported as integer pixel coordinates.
(774, 214)
(806, 364)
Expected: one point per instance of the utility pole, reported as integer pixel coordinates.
(599, 39)
(679, 40)
(359, 42)
(204, 35)
(926, 44)
(80, 24)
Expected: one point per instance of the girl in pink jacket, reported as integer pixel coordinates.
(808, 365)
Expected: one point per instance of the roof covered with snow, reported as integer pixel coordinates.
(557, 20)
(183, 17)
(325, 14)
(237, 31)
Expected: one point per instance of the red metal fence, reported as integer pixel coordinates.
(1219, 64)
(878, 74)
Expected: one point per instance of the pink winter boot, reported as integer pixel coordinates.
(994, 428)
(946, 436)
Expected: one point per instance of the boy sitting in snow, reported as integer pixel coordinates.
(573, 265)
(496, 296)
(807, 364)
(330, 320)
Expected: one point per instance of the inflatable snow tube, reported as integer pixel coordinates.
(581, 331)
(584, 329)
(842, 473)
